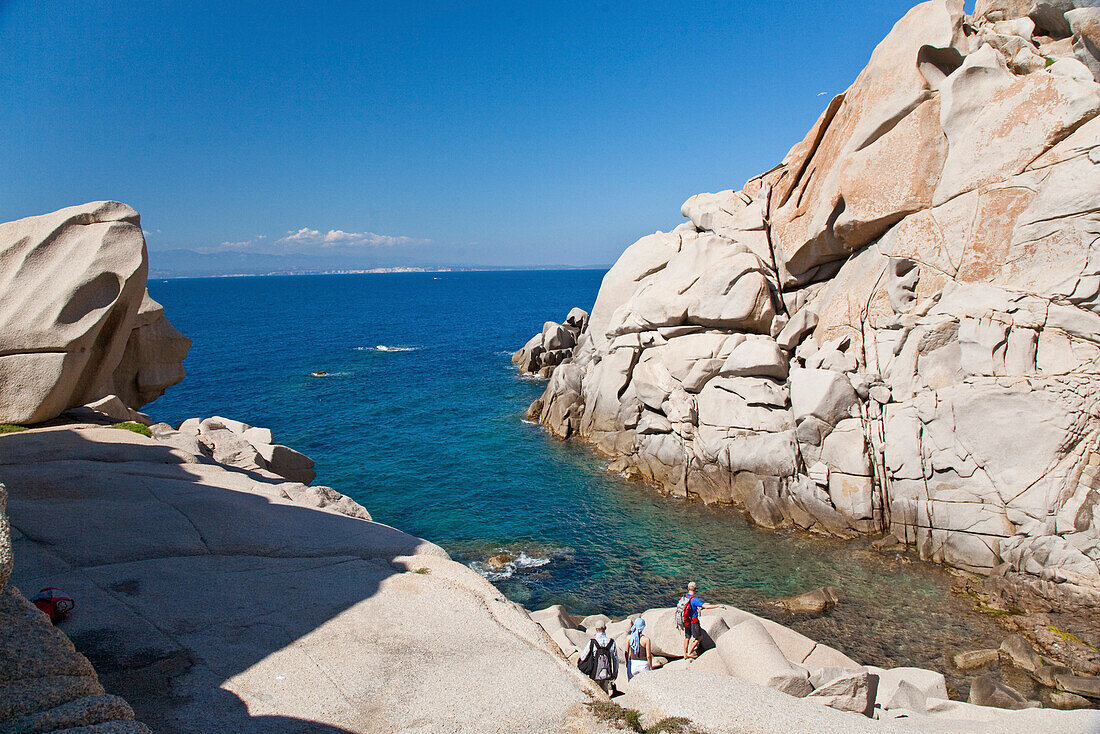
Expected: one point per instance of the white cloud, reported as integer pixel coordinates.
(340, 238)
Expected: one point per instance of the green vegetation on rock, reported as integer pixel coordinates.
(11, 428)
(631, 720)
(135, 427)
(1069, 636)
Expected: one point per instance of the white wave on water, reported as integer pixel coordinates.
(508, 569)
(526, 561)
(530, 423)
(384, 348)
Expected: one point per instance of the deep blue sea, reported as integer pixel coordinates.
(420, 419)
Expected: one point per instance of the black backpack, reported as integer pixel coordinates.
(598, 665)
(604, 667)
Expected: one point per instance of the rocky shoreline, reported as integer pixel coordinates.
(216, 589)
(894, 330)
(826, 348)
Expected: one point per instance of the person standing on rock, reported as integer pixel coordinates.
(639, 657)
(600, 660)
(690, 606)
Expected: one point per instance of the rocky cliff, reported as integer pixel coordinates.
(896, 328)
(76, 322)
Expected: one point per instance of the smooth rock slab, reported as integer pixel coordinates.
(722, 704)
(750, 653)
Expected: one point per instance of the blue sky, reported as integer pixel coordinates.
(475, 133)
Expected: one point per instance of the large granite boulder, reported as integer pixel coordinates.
(895, 329)
(751, 654)
(78, 324)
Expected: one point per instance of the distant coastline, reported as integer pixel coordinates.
(174, 275)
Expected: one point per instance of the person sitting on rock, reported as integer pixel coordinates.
(693, 631)
(639, 657)
(600, 660)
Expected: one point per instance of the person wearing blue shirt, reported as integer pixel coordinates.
(692, 629)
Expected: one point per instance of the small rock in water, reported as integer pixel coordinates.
(1045, 674)
(1020, 653)
(1065, 701)
(988, 691)
(817, 601)
(499, 561)
(887, 542)
(974, 659)
(318, 373)
(1082, 685)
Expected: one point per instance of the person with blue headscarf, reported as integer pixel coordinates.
(639, 657)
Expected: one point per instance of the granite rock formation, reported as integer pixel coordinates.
(76, 323)
(238, 444)
(553, 345)
(896, 328)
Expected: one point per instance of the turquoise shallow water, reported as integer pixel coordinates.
(428, 435)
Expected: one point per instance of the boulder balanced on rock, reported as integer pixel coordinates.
(76, 323)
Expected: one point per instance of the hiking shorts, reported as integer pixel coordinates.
(693, 630)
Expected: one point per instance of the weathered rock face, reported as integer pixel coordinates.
(233, 443)
(897, 327)
(553, 346)
(77, 324)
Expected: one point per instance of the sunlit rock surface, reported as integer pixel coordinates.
(76, 323)
(897, 327)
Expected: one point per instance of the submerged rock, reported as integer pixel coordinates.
(1020, 653)
(974, 659)
(813, 602)
(988, 691)
(1067, 701)
(1082, 685)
